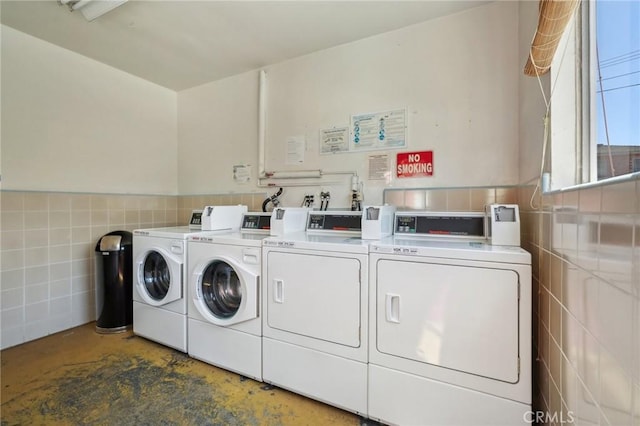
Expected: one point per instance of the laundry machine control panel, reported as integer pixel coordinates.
(467, 225)
(256, 222)
(335, 221)
(196, 219)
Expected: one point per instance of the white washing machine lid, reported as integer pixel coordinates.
(452, 249)
(175, 232)
(304, 241)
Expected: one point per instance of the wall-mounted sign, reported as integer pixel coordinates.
(334, 140)
(242, 173)
(380, 130)
(414, 164)
(295, 148)
(379, 166)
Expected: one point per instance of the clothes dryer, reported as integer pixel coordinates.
(315, 310)
(450, 331)
(159, 269)
(225, 328)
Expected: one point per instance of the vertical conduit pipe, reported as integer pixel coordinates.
(262, 121)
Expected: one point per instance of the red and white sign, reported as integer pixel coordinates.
(414, 164)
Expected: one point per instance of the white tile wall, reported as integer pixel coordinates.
(47, 250)
(586, 250)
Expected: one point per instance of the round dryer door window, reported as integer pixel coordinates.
(156, 275)
(221, 289)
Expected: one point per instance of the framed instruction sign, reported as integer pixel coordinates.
(379, 130)
(334, 140)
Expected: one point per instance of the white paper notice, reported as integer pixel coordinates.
(378, 167)
(242, 173)
(295, 150)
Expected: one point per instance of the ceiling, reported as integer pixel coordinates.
(181, 43)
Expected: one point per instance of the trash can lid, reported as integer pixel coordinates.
(110, 243)
(115, 241)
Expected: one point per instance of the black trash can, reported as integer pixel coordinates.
(114, 283)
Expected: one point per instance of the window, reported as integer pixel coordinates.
(615, 64)
(595, 106)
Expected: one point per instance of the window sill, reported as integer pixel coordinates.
(610, 181)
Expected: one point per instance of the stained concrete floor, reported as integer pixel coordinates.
(79, 377)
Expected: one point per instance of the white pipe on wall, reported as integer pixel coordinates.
(295, 174)
(262, 121)
(262, 129)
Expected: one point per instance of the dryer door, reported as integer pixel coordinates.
(225, 294)
(159, 277)
(462, 317)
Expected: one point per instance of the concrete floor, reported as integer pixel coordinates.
(79, 377)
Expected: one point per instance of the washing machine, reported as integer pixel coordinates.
(225, 327)
(450, 325)
(160, 261)
(315, 299)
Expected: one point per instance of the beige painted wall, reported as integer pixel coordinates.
(217, 128)
(457, 76)
(531, 102)
(70, 123)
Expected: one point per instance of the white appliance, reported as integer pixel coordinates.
(315, 310)
(450, 326)
(287, 220)
(216, 218)
(195, 222)
(225, 328)
(377, 221)
(159, 271)
(504, 224)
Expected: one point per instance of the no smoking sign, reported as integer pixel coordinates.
(414, 164)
